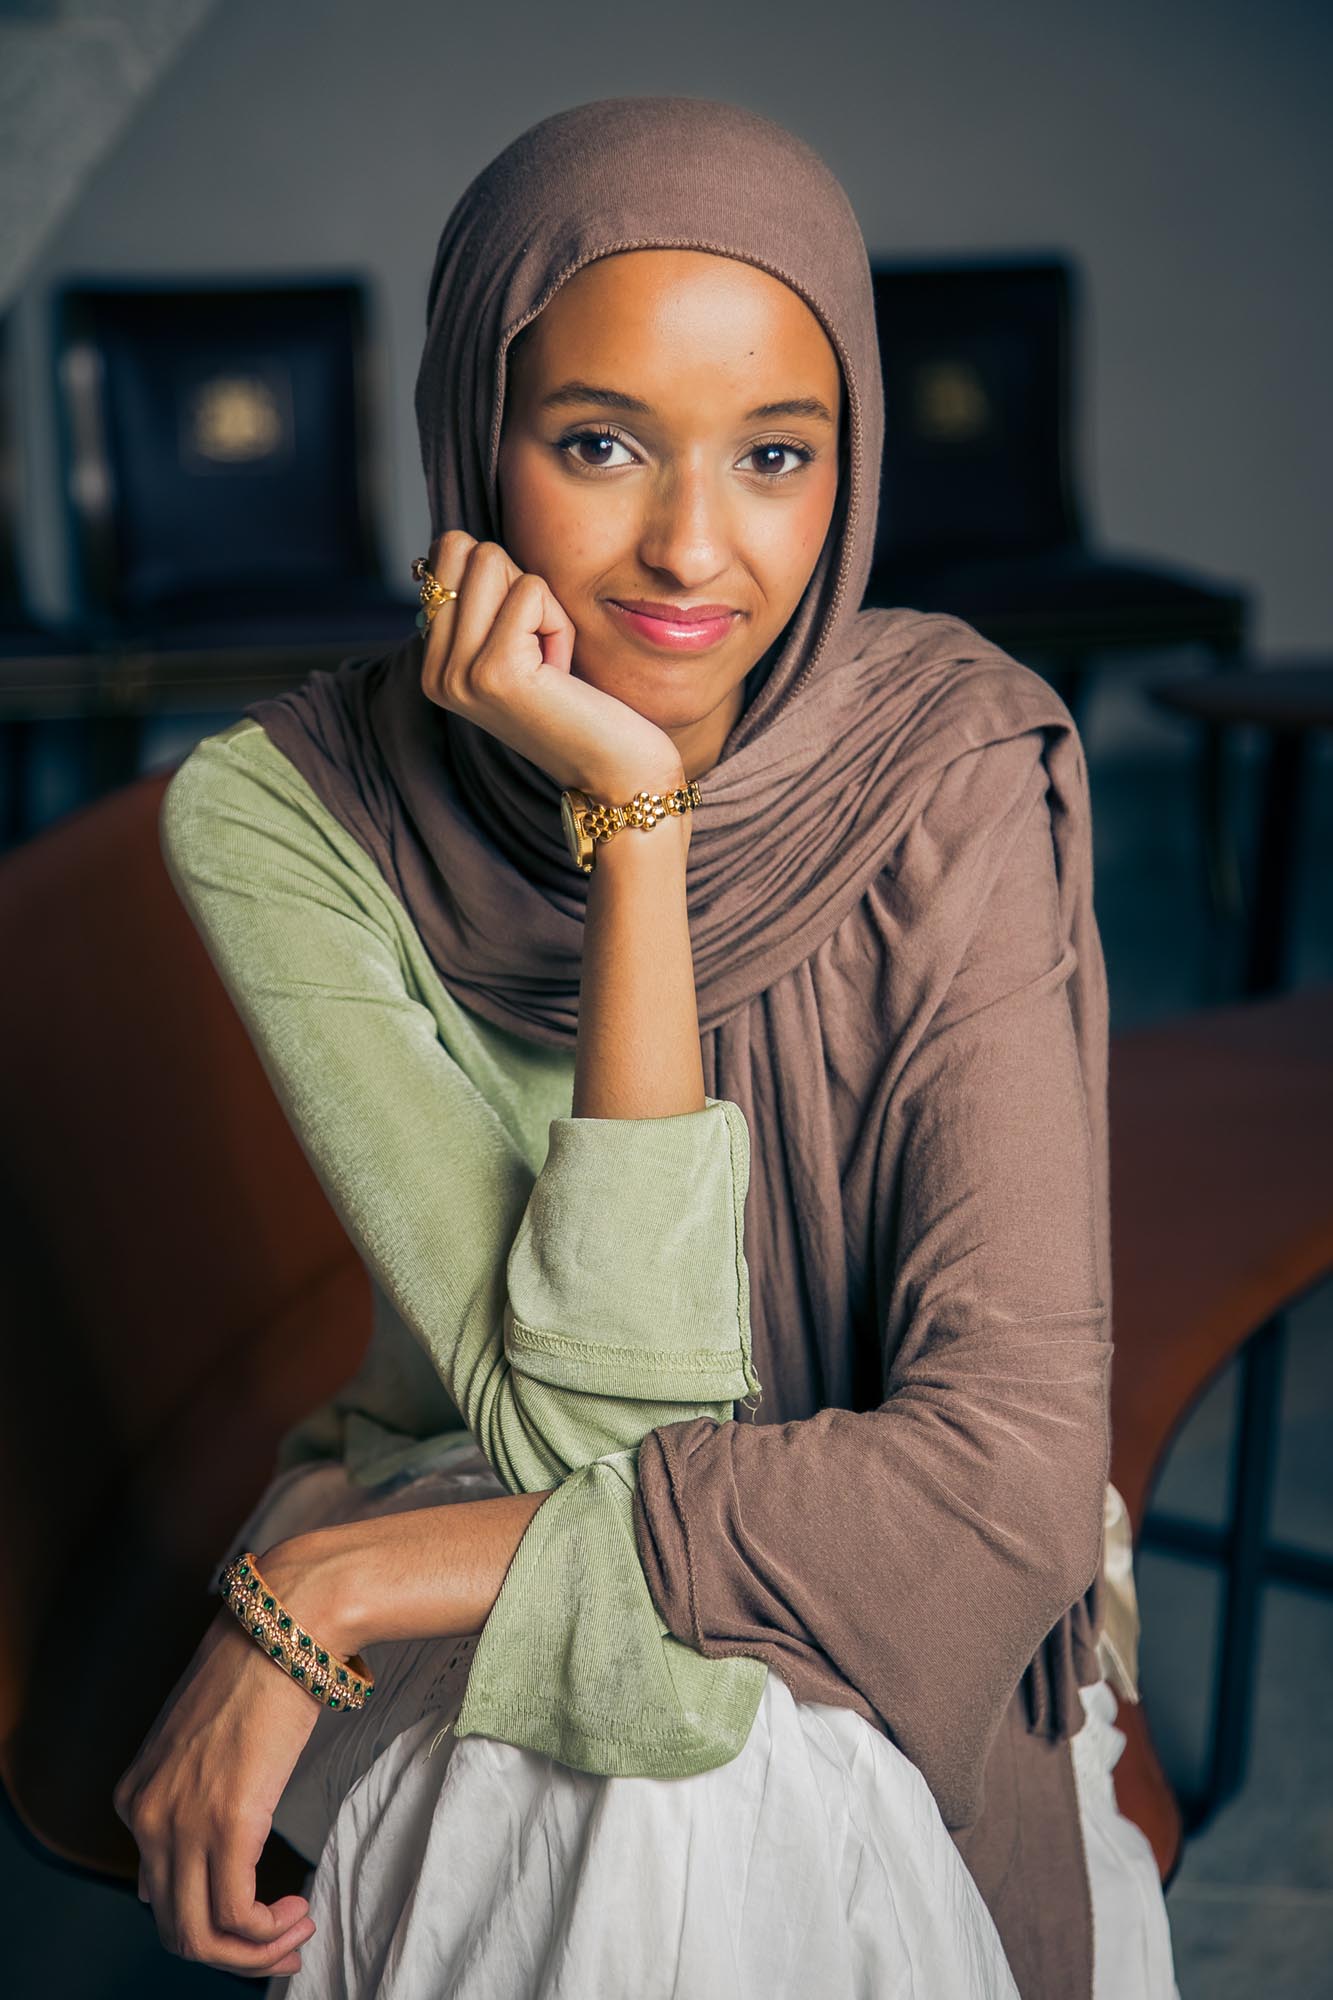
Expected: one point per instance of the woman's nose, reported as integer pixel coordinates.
(685, 530)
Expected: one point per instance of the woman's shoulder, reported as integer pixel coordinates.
(236, 808)
(237, 764)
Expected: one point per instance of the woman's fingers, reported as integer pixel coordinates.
(188, 1928)
(449, 559)
(446, 562)
(205, 1908)
(507, 623)
(233, 1908)
(488, 578)
(155, 1884)
(182, 1918)
(531, 610)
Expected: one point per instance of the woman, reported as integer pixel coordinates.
(805, 1692)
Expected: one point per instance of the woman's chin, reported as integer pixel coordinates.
(666, 689)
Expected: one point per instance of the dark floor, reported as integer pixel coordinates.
(1252, 1906)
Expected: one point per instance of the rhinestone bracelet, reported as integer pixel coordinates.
(333, 1683)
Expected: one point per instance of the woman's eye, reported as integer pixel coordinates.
(574, 444)
(769, 454)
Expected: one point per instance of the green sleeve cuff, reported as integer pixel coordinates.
(627, 1276)
(574, 1660)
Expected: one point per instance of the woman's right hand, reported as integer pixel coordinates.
(199, 1798)
(501, 656)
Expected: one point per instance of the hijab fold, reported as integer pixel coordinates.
(843, 866)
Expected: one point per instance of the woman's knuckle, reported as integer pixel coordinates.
(488, 674)
(187, 1944)
(435, 678)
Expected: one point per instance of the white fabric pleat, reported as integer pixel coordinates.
(1131, 1936)
(815, 1862)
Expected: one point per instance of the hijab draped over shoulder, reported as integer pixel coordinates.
(900, 983)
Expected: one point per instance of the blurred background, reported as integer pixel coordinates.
(1103, 284)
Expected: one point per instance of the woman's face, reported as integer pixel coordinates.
(670, 439)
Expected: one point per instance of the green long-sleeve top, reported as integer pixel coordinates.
(552, 1287)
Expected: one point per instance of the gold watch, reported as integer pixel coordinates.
(586, 820)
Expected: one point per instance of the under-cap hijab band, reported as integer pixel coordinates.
(899, 814)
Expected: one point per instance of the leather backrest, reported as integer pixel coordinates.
(175, 1289)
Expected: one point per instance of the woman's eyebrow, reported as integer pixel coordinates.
(586, 392)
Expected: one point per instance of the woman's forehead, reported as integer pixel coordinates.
(676, 313)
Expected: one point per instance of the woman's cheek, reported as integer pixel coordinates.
(536, 513)
(573, 545)
(809, 533)
(788, 558)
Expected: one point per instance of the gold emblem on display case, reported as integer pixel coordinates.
(233, 419)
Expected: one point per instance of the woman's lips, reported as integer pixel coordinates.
(676, 636)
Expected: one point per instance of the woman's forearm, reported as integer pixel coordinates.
(432, 1572)
(638, 1052)
(435, 1572)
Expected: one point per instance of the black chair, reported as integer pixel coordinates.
(217, 450)
(22, 634)
(981, 513)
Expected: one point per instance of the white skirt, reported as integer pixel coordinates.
(815, 1862)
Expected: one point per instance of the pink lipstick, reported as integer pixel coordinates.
(677, 628)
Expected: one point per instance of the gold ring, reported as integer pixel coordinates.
(433, 592)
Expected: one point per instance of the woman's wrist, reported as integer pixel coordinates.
(647, 853)
(617, 787)
(236, 1640)
(311, 1576)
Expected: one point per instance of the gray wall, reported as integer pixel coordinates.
(72, 75)
(1180, 152)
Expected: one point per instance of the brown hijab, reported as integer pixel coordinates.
(912, 1525)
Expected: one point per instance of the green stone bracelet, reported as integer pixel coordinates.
(334, 1683)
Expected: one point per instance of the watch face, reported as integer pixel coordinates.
(573, 838)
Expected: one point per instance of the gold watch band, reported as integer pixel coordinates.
(645, 809)
(598, 820)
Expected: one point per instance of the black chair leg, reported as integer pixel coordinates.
(1276, 885)
(18, 739)
(1223, 884)
(1254, 1466)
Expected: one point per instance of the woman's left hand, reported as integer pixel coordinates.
(199, 1799)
